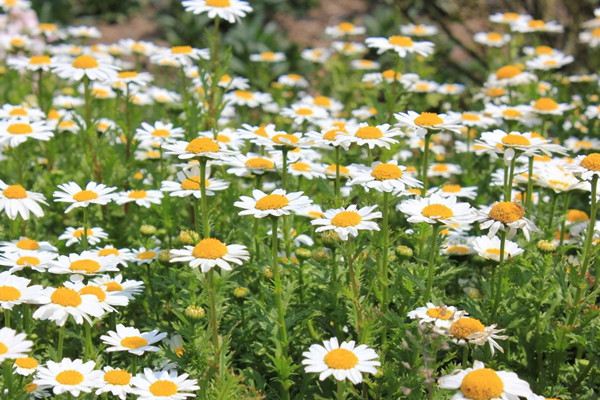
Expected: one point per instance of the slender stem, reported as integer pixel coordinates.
(385, 237)
(88, 344)
(499, 274)
(354, 281)
(431, 261)
(278, 288)
(301, 281)
(337, 175)
(564, 218)
(203, 203)
(286, 228)
(84, 239)
(7, 318)
(589, 238)
(60, 342)
(340, 393)
(213, 321)
(425, 166)
(509, 181)
(529, 196)
(552, 211)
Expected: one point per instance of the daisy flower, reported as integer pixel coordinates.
(443, 170)
(385, 177)
(451, 88)
(419, 30)
(16, 131)
(15, 5)
(249, 164)
(453, 189)
(132, 340)
(84, 32)
(267, 57)
(75, 235)
(306, 169)
(15, 290)
(509, 18)
(275, 204)
(402, 45)
(198, 147)
(300, 113)
(128, 288)
(247, 98)
(344, 361)
(348, 221)
(485, 383)
(166, 385)
(144, 198)
(457, 245)
(94, 193)
(69, 376)
(537, 25)
(229, 10)
(546, 63)
(547, 106)
(188, 184)
(61, 302)
(145, 255)
(85, 66)
(528, 143)
(25, 366)
(115, 381)
(25, 243)
(511, 75)
(209, 253)
(467, 330)
(107, 299)
(586, 167)
(178, 56)
(344, 28)
(229, 82)
(520, 113)
(372, 136)
(505, 216)
(32, 63)
(293, 80)
(86, 263)
(13, 344)
(161, 132)
(591, 37)
(437, 209)
(426, 121)
(317, 55)
(440, 316)
(16, 201)
(489, 248)
(473, 119)
(492, 39)
(364, 64)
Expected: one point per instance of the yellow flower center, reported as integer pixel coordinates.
(85, 62)
(515, 140)
(345, 219)
(442, 313)
(137, 194)
(161, 133)
(591, 162)
(9, 293)
(428, 119)
(30, 387)
(300, 166)
(15, 192)
(482, 384)
(536, 23)
(78, 233)
(39, 60)
(85, 265)
(259, 163)
(113, 286)
(95, 291)
(134, 342)
(163, 388)
(383, 172)
(470, 117)
(346, 27)
(450, 188)
(343, 170)
(267, 56)
(28, 260)
(440, 168)
(577, 216)
(545, 104)
(437, 211)
(322, 101)
(192, 183)
(494, 37)
(272, 202)
(26, 363)
(285, 138)
(511, 113)
(458, 250)
(17, 42)
(210, 249)
(506, 212)
(400, 41)
(128, 74)
(117, 377)
(464, 327)
(510, 16)
(369, 132)
(19, 128)
(340, 359)
(304, 111)
(85, 195)
(181, 49)
(494, 251)
(28, 244)
(146, 255)
(202, 145)
(495, 92)
(244, 94)
(70, 377)
(508, 71)
(543, 50)
(596, 33)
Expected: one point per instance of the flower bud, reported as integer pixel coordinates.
(194, 312)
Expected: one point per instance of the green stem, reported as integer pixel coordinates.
(7, 318)
(564, 218)
(499, 274)
(425, 166)
(213, 321)
(509, 181)
(203, 203)
(589, 238)
(385, 236)
(354, 281)
(84, 239)
(60, 342)
(286, 229)
(340, 393)
(278, 287)
(552, 211)
(431, 261)
(529, 196)
(337, 175)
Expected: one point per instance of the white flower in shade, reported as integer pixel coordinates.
(509, 18)
(300, 113)
(451, 88)
(132, 340)
(306, 169)
(520, 113)
(118, 256)
(13, 344)
(94, 193)
(547, 63)
(344, 361)
(593, 111)
(131, 79)
(536, 25)
(75, 235)
(492, 39)
(115, 381)
(163, 385)
(426, 121)
(145, 255)
(229, 10)
(84, 32)
(468, 330)
(489, 248)
(344, 29)
(85, 66)
(16, 201)
(267, 57)
(188, 184)
(144, 198)
(505, 216)
(441, 316)
(402, 45)
(293, 81)
(529, 143)
(385, 177)
(15, 5)
(317, 55)
(547, 106)
(473, 119)
(177, 56)
(229, 82)
(86, 263)
(443, 170)
(61, 302)
(20, 260)
(250, 164)
(160, 132)
(364, 65)
(27, 244)
(453, 189)
(348, 221)
(32, 63)
(511, 75)
(247, 98)
(485, 383)
(209, 253)
(197, 148)
(419, 30)
(457, 245)
(25, 366)
(586, 166)
(15, 131)
(106, 298)
(436, 209)
(592, 37)
(351, 49)
(275, 204)
(128, 288)
(372, 136)
(21, 111)
(15, 290)
(69, 376)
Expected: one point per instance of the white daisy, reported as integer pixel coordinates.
(229, 10)
(344, 28)
(94, 193)
(505, 216)
(86, 263)
(15, 201)
(85, 66)
(586, 167)
(492, 39)
(489, 248)
(26, 366)
(198, 147)
(25, 243)
(209, 253)
(441, 315)
(402, 45)
(372, 136)
(144, 198)
(385, 177)
(69, 376)
(426, 121)
(132, 340)
(61, 302)
(163, 385)
(468, 330)
(15, 290)
(452, 189)
(267, 57)
(275, 204)
(15, 131)
(188, 184)
(75, 235)
(436, 209)
(348, 221)
(115, 381)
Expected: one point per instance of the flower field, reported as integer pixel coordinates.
(351, 220)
